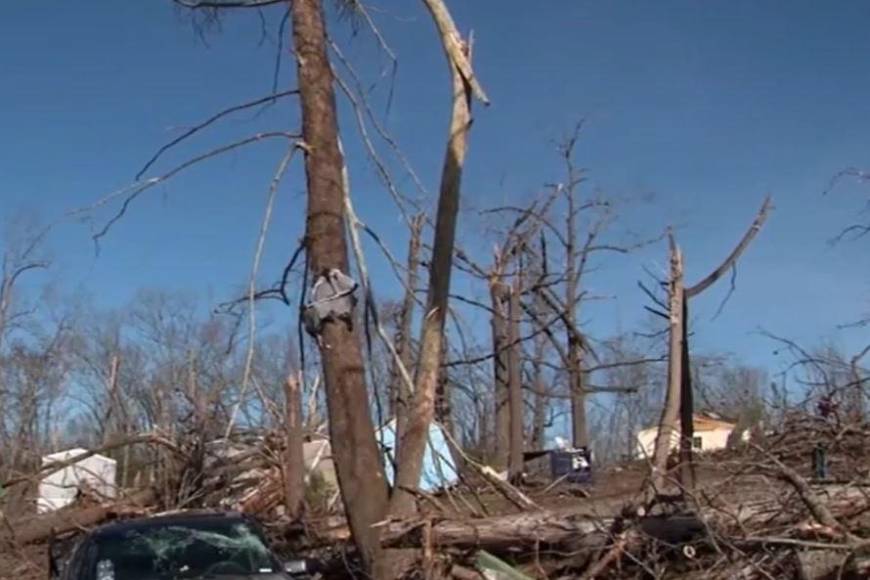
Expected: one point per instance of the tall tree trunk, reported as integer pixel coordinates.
(515, 387)
(579, 427)
(399, 395)
(501, 364)
(541, 401)
(357, 458)
(687, 408)
(413, 439)
(294, 462)
(668, 422)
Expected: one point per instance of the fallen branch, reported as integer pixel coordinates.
(73, 518)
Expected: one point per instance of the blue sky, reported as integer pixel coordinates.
(707, 106)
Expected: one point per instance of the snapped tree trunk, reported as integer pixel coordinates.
(294, 462)
(355, 451)
(501, 363)
(668, 422)
(515, 387)
(687, 425)
(413, 438)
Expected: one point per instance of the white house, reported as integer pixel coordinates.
(711, 432)
(59, 489)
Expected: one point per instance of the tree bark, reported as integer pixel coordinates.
(294, 463)
(357, 458)
(515, 387)
(668, 422)
(501, 363)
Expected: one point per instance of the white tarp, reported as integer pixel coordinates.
(438, 467)
(59, 489)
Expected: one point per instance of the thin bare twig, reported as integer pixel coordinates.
(131, 192)
(252, 283)
(214, 118)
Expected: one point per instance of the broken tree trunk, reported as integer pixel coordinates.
(687, 423)
(668, 423)
(413, 438)
(357, 458)
(294, 463)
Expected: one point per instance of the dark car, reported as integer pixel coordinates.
(180, 546)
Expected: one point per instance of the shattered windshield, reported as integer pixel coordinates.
(182, 551)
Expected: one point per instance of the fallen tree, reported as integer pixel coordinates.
(578, 525)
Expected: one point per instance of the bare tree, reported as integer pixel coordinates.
(679, 395)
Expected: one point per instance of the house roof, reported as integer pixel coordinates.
(704, 424)
(705, 421)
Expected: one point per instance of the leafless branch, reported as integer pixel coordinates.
(214, 118)
(735, 253)
(131, 192)
(197, 4)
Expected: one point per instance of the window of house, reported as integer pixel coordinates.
(697, 443)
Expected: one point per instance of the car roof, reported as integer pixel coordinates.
(180, 518)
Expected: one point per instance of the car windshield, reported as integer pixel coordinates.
(182, 551)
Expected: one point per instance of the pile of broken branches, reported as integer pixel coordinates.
(755, 512)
